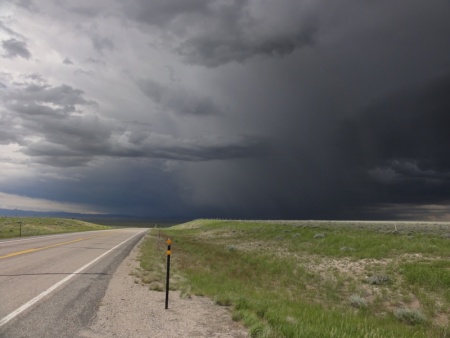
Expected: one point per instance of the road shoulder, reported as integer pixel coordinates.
(130, 309)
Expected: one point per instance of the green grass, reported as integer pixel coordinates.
(281, 280)
(32, 226)
(433, 276)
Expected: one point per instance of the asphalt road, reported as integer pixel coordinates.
(52, 286)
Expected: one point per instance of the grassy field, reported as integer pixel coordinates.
(313, 279)
(33, 226)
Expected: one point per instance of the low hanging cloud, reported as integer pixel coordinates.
(69, 144)
(57, 126)
(14, 48)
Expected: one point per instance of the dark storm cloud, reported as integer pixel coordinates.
(14, 48)
(221, 32)
(357, 122)
(389, 160)
(352, 98)
(72, 141)
(403, 142)
(120, 187)
(45, 117)
(177, 99)
(410, 125)
(78, 142)
(68, 135)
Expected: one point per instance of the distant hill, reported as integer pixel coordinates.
(27, 213)
(105, 219)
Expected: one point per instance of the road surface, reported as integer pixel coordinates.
(51, 286)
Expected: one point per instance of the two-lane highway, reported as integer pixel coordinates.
(51, 286)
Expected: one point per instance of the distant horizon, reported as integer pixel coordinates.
(168, 219)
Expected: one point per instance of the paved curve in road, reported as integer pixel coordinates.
(51, 286)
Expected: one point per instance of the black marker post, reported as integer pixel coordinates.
(169, 252)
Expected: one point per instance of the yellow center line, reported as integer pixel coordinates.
(49, 246)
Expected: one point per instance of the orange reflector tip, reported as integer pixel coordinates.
(169, 241)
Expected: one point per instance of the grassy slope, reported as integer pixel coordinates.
(314, 279)
(32, 226)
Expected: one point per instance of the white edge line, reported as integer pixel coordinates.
(28, 304)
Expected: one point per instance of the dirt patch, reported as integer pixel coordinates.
(441, 320)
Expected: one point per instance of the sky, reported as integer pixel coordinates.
(255, 109)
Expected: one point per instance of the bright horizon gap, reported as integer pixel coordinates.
(19, 202)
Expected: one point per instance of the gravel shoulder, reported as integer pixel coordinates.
(132, 310)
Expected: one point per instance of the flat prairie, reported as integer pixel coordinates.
(313, 278)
